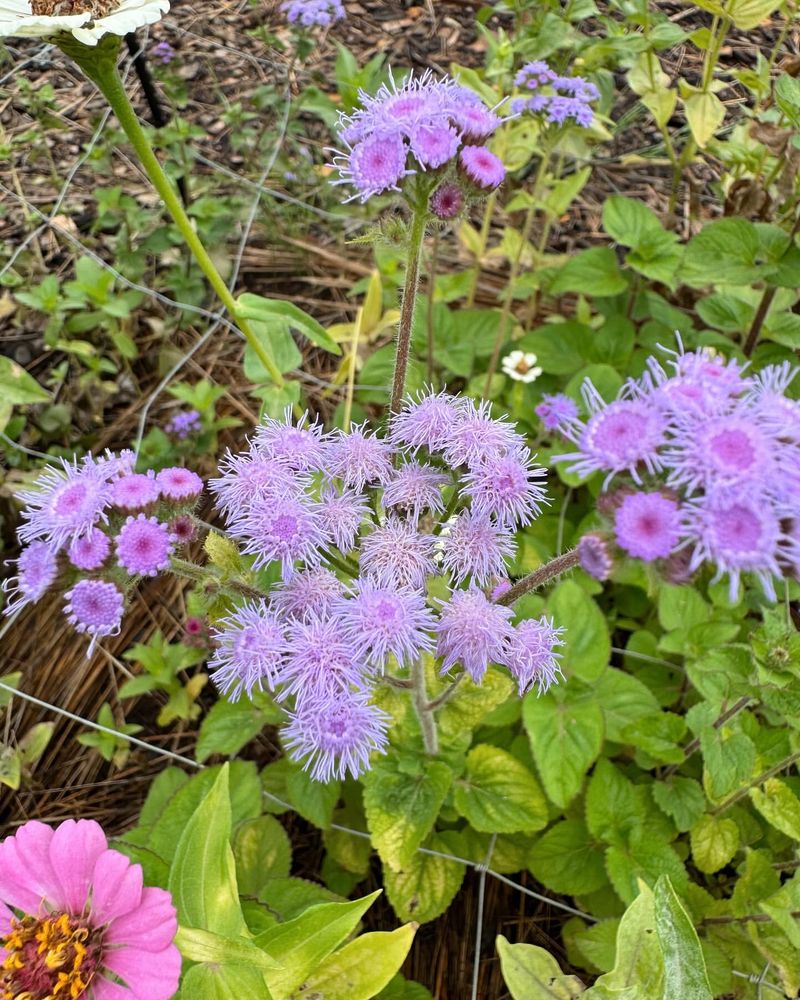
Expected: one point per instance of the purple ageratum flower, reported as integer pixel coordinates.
(426, 422)
(557, 411)
(37, 569)
(382, 621)
(777, 414)
(396, 554)
(472, 631)
(447, 201)
(334, 737)
(249, 477)
(310, 13)
(66, 503)
(144, 546)
(477, 436)
(286, 529)
(531, 655)
(475, 546)
(307, 593)
(505, 486)
(77, 920)
(94, 607)
(341, 515)
(376, 164)
(321, 662)
(251, 652)
(434, 145)
(534, 74)
(359, 458)
(414, 488)
(179, 484)
(576, 86)
(90, 551)
(184, 529)
(184, 423)
(134, 491)
(701, 381)
(111, 465)
(736, 532)
(647, 525)
(299, 446)
(560, 109)
(595, 556)
(482, 167)
(474, 119)
(618, 437)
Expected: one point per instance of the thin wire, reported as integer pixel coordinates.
(476, 959)
(477, 866)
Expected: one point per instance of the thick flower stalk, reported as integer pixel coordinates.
(77, 922)
(705, 458)
(362, 526)
(92, 528)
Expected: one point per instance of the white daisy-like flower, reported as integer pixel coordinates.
(87, 20)
(519, 365)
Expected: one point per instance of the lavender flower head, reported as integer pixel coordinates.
(185, 422)
(472, 631)
(37, 568)
(310, 13)
(251, 651)
(423, 125)
(556, 411)
(66, 504)
(380, 621)
(531, 654)
(595, 556)
(94, 607)
(647, 525)
(557, 98)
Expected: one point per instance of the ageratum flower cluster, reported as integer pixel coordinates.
(428, 126)
(92, 528)
(361, 526)
(557, 98)
(710, 460)
(310, 13)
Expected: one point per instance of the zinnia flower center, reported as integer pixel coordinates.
(65, 8)
(50, 959)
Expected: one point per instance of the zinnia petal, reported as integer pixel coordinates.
(27, 878)
(150, 927)
(149, 976)
(116, 887)
(74, 850)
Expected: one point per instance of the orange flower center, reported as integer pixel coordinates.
(53, 958)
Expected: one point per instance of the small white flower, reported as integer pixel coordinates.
(50, 17)
(521, 366)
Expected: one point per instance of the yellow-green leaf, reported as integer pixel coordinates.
(714, 842)
(779, 806)
(705, 114)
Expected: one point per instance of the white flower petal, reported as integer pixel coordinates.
(128, 16)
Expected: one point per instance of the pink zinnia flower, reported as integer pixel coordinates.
(179, 484)
(86, 919)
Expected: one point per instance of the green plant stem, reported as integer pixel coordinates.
(100, 66)
(561, 564)
(415, 240)
(431, 292)
(342, 564)
(694, 745)
(766, 300)
(419, 697)
(189, 571)
(483, 239)
(764, 776)
(446, 695)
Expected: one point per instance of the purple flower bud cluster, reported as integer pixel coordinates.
(91, 528)
(424, 125)
(556, 98)
(361, 525)
(183, 424)
(163, 52)
(713, 453)
(308, 13)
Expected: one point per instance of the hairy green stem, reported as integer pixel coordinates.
(415, 239)
(694, 745)
(446, 695)
(419, 697)
(764, 776)
(190, 571)
(561, 564)
(100, 66)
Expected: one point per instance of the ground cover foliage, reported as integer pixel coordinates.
(652, 789)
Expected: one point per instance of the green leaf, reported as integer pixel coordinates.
(262, 850)
(638, 972)
(643, 859)
(591, 272)
(256, 307)
(725, 251)
(704, 113)
(779, 806)
(566, 738)
(566, 859)
(748, 14)
(658, 736)
(560, 348)
(627, 220)
(680, 798)
(204, 946)
(624, 699)
(587, 644)
(17, 387)
(424, 887)
(685, 973)
(362, 968)
(531, 973)
(401, 808)
(314, 800)
(714, 840)
(498, 794)
(223, 982)
(301, 944)
(681, 607)
(612, 809)
(729, 760)
(473, 702)
(401, 988)
(228, 727)
(202, 879)
(278, 343)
